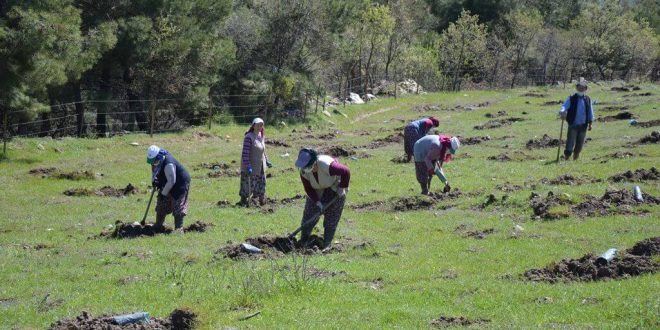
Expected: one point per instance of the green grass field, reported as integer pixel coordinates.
(414, 268)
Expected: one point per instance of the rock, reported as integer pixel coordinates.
(325, 112)
(135, 144)
(369, 97)
(40, 147)
(355, 98)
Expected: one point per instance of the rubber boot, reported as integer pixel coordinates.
(328, 235)
(160, 220)
(576, 156)
(178, 221)
(262, 200)
(304, 237)
(244, 202)
(408, 158)
(425, 188)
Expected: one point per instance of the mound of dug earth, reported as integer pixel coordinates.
(500, 113)
(456, 321)
(498, 123)
(179, 319)
(399, 160)
(55, 173)
(614, 201)
(544, 142)
(636, 261)
(551, 207)
(268, 207)
(132, 230)
(619, 116)
(272, 247)
(277, 143)
(650, 139)
(106, 191)
(390, 139)
(337, 151)
(412, 203)
(637, 176)
(43, 171)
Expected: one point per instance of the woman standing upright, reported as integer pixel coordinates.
(253, 164)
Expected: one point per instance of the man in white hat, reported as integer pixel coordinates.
(324, 180)
(173, 182)
(578, 112)
(430, 151)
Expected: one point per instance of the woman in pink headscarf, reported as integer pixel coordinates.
(429, 151)
(253, 164)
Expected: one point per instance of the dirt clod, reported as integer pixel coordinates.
(534, 94)
(336, 151)
(517, 156)
(480, 234)
(548, 103)
(638, 175)
(133, 230)
(496, 123)
(43, 171)
(647, 247)
(498, 114)
(383, 142)
(183, 319)
(544, 142)
(619, 116)
(399, 160)
(106, 191)
(412, 203)
(456, 321)
(647, 124)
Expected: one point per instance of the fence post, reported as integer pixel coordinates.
(318, 91)
(5, 135)
(210, 112)
(152, 110)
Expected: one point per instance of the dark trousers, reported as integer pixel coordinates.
(575, 139)
(331, 216)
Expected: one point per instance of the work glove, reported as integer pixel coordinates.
(563, 114)
(249, 169)
(268, 163)
(342, 192)
(319, 205)
(447, 188)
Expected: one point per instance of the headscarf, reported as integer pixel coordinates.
(261, 134)
(445, 142)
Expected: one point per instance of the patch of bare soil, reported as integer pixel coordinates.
(548, 103)
(268, 207)
(497, 123)
(639, 94)
(428, 108)
(614, 201)
(638, 175)
(223, 172)
(617, 155)
(568, 179)
(213, 166)
(180, 319)
(106, 191)
(619, 116)
(498, 114)
(633, 262)
(647, 124)
(277, 143)
(650, 139)
(412, 203)
(457, 321)
(534, 94)
(133, 230)
(544, 142)
(613, 108)
(475, 140)
(383, 142)
(43, 171)
(517, 156)
(548, 208)
(337, 151)
(273, 247)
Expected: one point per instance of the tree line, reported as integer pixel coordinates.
(92, 67)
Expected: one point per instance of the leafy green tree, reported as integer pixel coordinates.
(462, 49)
(524, 27)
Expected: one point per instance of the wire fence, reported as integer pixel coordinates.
(158, 115)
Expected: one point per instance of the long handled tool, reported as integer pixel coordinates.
(561, 132)
(312, 218)
(144, 219)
